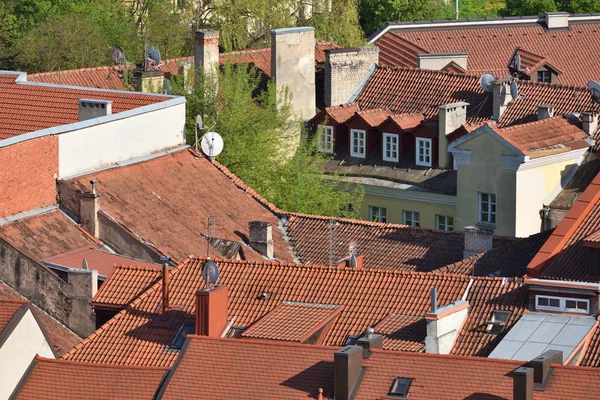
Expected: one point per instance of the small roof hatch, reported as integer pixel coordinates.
(400, 388)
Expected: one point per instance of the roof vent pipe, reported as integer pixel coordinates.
(434, 299)
(165, 284)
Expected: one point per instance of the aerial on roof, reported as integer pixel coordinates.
(31, 106)
(491, 43)
(368, 296)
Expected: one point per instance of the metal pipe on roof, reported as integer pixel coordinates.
(434, 299)
(165, 284)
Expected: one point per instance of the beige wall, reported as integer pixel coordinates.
(25, 342)
(485, 174)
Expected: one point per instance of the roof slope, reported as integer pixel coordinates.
(8, 309)
(61, 338)
(167, 201)
(568, 49)
(368, 296)
(46, 234)
(59, 379)
(125, 284)
(28, 107)
(107, 77)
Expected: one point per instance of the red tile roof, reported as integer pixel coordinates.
(99, 260)
(293, 321)
(403, 90)
(31, 107)
(368, 296)
(293, 371)
(8, 309)
(59, 379)
(402, 332)
(373, 117)
(540, 138)
(167, 201)
(454, 67)
(568, 49)
(118, 291)
(529, 61)
(563, 256)
(338, 114)
(61, 338)
(46, 234)
(407, 122)
(98, 77)
(593, 238)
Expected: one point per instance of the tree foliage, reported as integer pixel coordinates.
(538, 7)
(254, 127)
(376, 13)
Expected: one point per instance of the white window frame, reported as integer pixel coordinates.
(446, 224)
(395, 137)
(423, 163)
(364, 143)
(326, 138)
(380, 212)
(563, 304)
(489, 212)
(415, 218)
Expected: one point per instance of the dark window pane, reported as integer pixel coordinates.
(554, 302)
(542, 301)
(571, 304)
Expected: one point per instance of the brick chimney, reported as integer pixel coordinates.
(211, 311)
(545, 111)
(348, 372)
(345, 69)
(523, 383)
(89, 109)
(206, 51)
(293, 67)
(261, 237)
(590, 122)
(501, 97)
(443, 324)
(451, 117)
(165, 285)
(477, 240)
(88, 210)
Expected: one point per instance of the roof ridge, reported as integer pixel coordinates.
(74, 70)
(267, 342)
(137, 267)
(16, 301)
(395, 353)
(97, 365)
(532, 123)
(430, 71)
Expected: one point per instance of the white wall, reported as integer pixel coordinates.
(25, 342)
(120, 139)
(442, 333)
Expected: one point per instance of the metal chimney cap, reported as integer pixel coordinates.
(369, 331)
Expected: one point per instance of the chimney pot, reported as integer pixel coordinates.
(261, 237)
(523, 383)
(165, 285)
(211, 311)
(347, 366)
(434, 299)
(545, 111)
(477, 240)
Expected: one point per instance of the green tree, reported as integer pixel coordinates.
(339, 25)
(528, 7)
(376, 13)
(254, 126)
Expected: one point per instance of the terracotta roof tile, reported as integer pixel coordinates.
(46, 234)
(368, 296)
(407, 122)
(594, 237)
(125, 284)
(167, 201)
(402, 332)
(8, 309)
(565, 48)
(61, 338)
(59, 379)
(293, 321)
(31, 107)
(529, 60)
(338, 114)
(454, 68)
(373, 117)
(97, 77)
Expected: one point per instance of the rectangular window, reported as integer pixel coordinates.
(326, 138)
(410, 218)
(552, 303)
(444, 223)
(487, 208)
(544, 76)
(390, 147)
(377, 214)
(357, 143)
(424, 152)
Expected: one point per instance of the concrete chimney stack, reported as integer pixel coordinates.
(211, 311)
(206, 51)
(477, 240)
(451, 117)
(89, 109)
(590, 122)
(501, 97)
(370, 341)
(557, 20)
(443, 326)
(261, 237)
(347, 369)
(88, 210)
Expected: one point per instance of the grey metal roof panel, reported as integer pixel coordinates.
(529, 351)
(546, 332)
(522, 330)
(571, 335)
(506, 349)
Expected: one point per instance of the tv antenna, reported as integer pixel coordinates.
(210, 271)
(594, 88)
(117, 55)
(486, 82)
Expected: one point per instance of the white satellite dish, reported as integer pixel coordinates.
(117, 55)
(594, 88)
(486, 82)
(514, 90)
(212, 144)
(518, 62)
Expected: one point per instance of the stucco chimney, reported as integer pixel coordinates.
(211, 311)
(206, 51)
(523, 383)
(345, 69)
(89, 109)
(451, 117)
(501, 97)
(261, 237)
(165, 285)
(545, 111)
(477, 240)
(590, 122)
(347, 369)
(443, 326)
(293, 67)
(88, 210)
(557, 20)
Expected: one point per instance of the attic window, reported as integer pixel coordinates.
(544, 76)
(497, 324)
(400, 388)
(188, 328)
(236, 331)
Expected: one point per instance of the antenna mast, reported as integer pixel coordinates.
(211, 221)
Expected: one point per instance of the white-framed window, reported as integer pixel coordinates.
(377, 214)
(411, 218)
(487, 208)
(326, 138)
(390, 147)
(444, 223)
(423, 152)
(566, 304)
(358, 143)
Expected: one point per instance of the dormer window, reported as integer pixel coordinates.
(326, 138)
(423, 152)
(400, 388)
(562, 304)
(358, 143)
(390, 147)
(544, 76)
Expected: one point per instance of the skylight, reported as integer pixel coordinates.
(498, 322)
(400, 388)
(187, 328)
